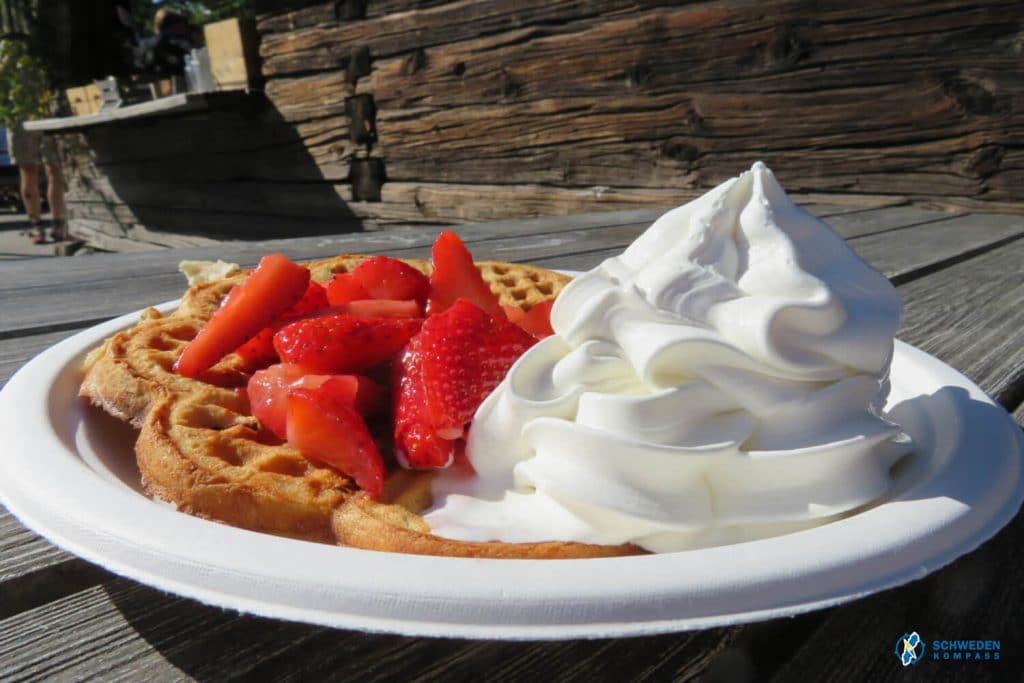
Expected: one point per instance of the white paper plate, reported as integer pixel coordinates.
(68, 473)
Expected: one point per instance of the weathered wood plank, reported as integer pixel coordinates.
(737, 29)
(35, 305)
(319, 45)
(898, 253)
(132, 205)
(183, 103)
(136, 237)
(200, 226)
(325, 14)
(969, 315)
(14, 352)
(923, 246)
(36, 298)
(647, 141)
(661, 110)
(22, 552)
(859, 223)
(22, 275)
(124, 631)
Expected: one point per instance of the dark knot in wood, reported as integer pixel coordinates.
(680, 151)
(459, 68)
(787, 47)
(414, 62)
(510, 87)
(694, 121)
(984, 161)
(349, 10)
(637, 75)
(974, 98)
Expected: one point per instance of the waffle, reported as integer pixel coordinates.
(201, 449)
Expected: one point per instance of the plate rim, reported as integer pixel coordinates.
(380, 603)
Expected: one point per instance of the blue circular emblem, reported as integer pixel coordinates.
(910, 648)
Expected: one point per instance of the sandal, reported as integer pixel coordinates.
(60, 232)
(37, 237)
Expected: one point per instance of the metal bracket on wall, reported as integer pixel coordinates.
(358, 64)
(362, 115)
(348, 10)
(367, 177)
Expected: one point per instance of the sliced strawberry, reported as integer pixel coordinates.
(259, 351)
(387, 278)
(514, 314)
(344, 287)
(381, 308)
(466, 354)
(315, 299)
(268, 393)
(339, 343)
(443, 375)
(456, 277)
(537, 320)
(362, 393)
(324, 428)
(272, 288)
(417, 444)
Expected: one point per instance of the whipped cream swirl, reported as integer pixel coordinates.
(719, 381)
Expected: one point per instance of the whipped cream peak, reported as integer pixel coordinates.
(719, 380)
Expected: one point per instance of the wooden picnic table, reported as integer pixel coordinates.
(62, 618)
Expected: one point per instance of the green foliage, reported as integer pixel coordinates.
(199, 12)
(24, 87)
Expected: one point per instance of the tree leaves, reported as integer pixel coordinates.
(24, 86)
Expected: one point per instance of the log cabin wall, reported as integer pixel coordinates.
(379, 114)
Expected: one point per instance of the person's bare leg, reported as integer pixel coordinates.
(30, 191)
(29, 175)
(55, 195)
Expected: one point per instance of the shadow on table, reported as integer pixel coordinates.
(959, 442)
(223, 646)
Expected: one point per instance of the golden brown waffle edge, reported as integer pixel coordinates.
(200, 449)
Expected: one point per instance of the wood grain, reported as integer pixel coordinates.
(22, 552)
(124, 631)
(969, 316)
(35, 307)
(661, 109)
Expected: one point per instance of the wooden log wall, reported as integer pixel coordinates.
(654, 100)
(392, 112)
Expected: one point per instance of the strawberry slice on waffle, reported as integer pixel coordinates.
(452, 364)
